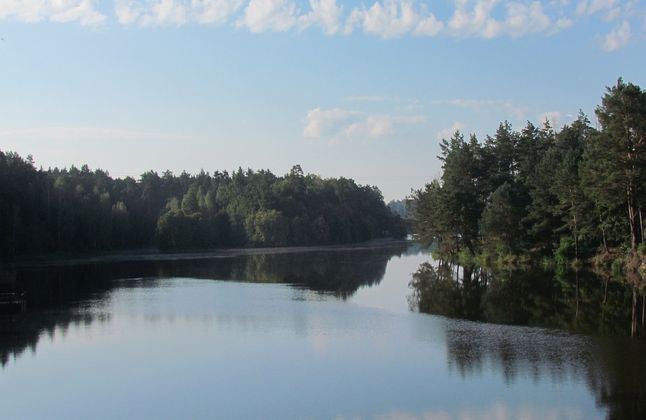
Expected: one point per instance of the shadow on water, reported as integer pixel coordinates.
(577, 302)
(612, 368)
(612, 365)
(65, 295)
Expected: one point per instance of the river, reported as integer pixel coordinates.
(293, 334)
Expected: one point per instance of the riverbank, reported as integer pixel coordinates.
(153, 254)
(615, 261)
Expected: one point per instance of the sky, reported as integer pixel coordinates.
(361, 89)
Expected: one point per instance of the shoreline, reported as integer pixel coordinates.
(55, 260)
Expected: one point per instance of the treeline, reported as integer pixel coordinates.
(570, 194)
(72, 210)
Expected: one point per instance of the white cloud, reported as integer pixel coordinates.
(321, 123)
(553, 117)
(63, 11)
(590, 7)
(562, 23)
(82, 12)
(370, 125)
(383, 18)
(523, 18)
(475, 18)
(618, 37)
(481, 105)
(175, 12)
(402, 104)
(165, 12)
(393, 18)
(126, 12)
(428, 26)
(380, 125)
(214, 11)
(609, 9)
(325, 13)
(335, 123)
(448, 132)
(269, 15)
(613, 14)
(476, 21)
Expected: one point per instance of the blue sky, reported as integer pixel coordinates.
(358, 89)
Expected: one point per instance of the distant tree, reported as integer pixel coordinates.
(267, 227)
(67, 210)
(399, 208)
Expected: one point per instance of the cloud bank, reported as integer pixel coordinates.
(83, 12)
(340, 123)
(385, 19)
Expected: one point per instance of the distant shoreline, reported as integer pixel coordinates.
(54, 260)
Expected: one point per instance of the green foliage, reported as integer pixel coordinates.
(616, 267)
(566, 194)
(75, 209)
(267, 227)
(564, 252)
(615, 168)
(500, 220)
(448, 210)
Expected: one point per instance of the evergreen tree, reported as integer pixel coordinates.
(617, 163)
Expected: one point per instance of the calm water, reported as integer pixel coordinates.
(303, 334)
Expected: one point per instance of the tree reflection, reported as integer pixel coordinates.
(613, 367)
(65, 295)
(575, 301)
(56, 299)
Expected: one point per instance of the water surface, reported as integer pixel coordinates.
(323, 333)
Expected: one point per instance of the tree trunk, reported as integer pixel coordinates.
(633, 321)
(633, 217)
(641, 224)
(603, 234)
(631, 221)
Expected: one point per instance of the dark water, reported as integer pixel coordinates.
(311, 334)
(581, 302)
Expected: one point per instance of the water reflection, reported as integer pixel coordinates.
(59, 296)
(580, 302)
(310, 345)
(613, 367)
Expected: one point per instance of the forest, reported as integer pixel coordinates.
(79, 210)
(570, 197)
